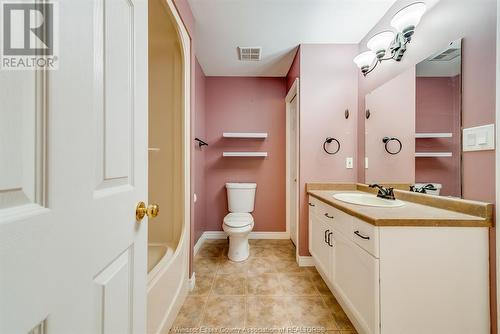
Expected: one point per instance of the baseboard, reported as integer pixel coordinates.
(305, 261)
(198, 244)
(269, 235)
(192, 282)
(207, 235)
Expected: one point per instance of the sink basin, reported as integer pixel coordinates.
(367, 200)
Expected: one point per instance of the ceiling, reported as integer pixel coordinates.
(278, 26)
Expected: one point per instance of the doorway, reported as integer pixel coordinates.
(292, 161)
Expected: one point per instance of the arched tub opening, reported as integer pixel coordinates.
(166, 172)
(168, 233)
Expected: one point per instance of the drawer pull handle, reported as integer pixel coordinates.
(325, 235)
(361, 236)
(310, 204)
(329, 239)
(328, 216)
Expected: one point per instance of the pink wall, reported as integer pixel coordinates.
(200, 154)
(246, 104)
(438, 110)
(392, 114)
(294, 71)
(439, 26)
(186, 15)
(328, 86)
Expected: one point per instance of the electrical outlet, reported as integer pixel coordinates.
(349, 163)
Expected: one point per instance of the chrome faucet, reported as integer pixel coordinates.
(423, 189)
(387, 193)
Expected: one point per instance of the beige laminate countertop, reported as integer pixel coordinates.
(411, 214)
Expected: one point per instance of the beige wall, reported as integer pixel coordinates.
(165, 126)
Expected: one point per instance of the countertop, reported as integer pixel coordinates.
(411, 214)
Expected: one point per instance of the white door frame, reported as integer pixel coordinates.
(293, 92)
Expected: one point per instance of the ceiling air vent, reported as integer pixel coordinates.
(249, 53)
(446, 55)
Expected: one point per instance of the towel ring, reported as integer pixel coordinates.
(329, 140)
(387, 140)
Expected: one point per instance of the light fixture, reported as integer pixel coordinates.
(365, 60)
(408, 18)
(380, 43)
(405, 22)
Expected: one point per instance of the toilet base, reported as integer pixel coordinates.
(239, 250)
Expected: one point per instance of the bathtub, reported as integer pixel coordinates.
(167, 283)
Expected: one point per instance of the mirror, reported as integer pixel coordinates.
(413, 132)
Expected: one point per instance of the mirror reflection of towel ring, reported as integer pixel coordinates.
(387, 140)
(329, 140)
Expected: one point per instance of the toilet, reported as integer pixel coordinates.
(238, 223)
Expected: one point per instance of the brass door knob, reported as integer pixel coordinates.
(141, 210)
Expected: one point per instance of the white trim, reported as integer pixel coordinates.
(244, 154)
(434, 135)
(305, 261)
(210, 235)
(433, 154)
(198, 244)
(192, 282)
(257, 135)
(269, 235)
(293, 92)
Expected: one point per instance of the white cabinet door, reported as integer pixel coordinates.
(320, 245)
(356, 279)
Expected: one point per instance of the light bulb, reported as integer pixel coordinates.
(365, 60)
(408, 18)
(380, 43)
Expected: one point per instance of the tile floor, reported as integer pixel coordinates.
(268, 291)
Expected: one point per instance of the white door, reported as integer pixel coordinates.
(73, 165)
(293, 168)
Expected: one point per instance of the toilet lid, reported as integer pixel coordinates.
(238, 219)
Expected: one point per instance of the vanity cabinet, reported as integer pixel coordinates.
(402, 279)
(349, 270)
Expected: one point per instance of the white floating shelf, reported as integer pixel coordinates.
(244, 154)
(434, 135)
(259, 135)
(433, 154)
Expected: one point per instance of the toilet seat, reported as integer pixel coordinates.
(238, 219)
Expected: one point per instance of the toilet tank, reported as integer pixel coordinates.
(241, 196)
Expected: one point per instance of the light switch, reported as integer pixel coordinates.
(366, 162)
(479, 138)
(349, 163)
(471, 139)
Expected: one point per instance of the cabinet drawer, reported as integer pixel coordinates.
(366, 236)
(339, 220)
(313, 204)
